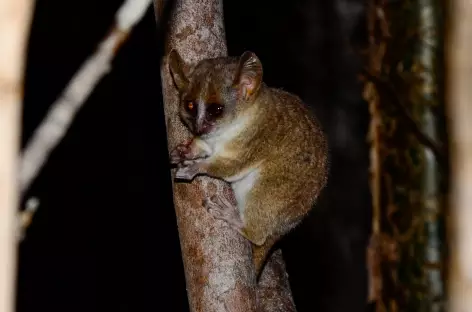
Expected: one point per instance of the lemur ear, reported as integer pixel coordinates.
(249, 74)
(177, 70)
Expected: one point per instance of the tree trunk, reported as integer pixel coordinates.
(459, 95)
(409, 163)
(217, 260)
(15, 16)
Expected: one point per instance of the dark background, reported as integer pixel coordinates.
(105, 236)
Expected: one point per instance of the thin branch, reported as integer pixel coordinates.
(62, 112)
(15, 19)
(376, 52)
(25, 217)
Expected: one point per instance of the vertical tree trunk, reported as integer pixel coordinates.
(15, 18)
(217, 260)
(408, 146)
(459, 95)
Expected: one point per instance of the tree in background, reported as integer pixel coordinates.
(408, 155)
(459, 109)
(15, 18)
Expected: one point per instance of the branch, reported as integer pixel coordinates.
(62, 112)
(376, 53)
(15, 19)
(25, 217)
(217, 260)
(459, 96)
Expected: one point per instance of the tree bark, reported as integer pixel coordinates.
(459, 95)
(15, 16)
(217, 260)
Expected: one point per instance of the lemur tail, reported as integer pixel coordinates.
(260, 255)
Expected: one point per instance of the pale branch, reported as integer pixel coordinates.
(62, 112)
(15, 20)
(459, 97)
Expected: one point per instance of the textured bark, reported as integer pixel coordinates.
(217, 260)
(459, 96)
(15, 17)
(273, 290)
(409, 165)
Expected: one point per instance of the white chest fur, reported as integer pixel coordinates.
(243, 182)
(216, 141)
(242, 187)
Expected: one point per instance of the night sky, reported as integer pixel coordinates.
(105, 236)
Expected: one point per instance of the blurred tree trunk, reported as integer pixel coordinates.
(459, 96)
(217, 260)
(15, 17)
(408, 154)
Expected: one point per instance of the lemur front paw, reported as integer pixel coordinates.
(181, 153)
(188, 172)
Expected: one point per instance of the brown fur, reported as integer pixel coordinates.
(282, 139)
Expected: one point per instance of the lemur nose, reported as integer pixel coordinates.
(204, 128)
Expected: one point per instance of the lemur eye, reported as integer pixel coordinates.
(214, 109)
(190, 106)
